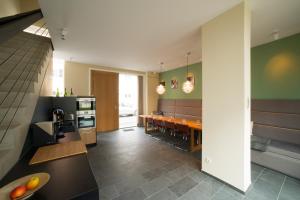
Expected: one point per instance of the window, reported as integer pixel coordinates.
(58, 77)
(38, 28)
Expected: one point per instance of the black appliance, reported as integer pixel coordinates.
(58, 115)
(58, 121)
(86, 112)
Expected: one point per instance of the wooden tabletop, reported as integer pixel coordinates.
(190, 123)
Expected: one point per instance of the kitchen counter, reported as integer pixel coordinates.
(71, 177)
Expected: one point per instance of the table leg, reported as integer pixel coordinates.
(199, 139)
(192, 140)
(146, 126)
(195, 147)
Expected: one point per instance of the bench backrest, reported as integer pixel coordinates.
(277, 119)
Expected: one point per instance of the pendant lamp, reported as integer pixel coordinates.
(161, 89)
(188, 85)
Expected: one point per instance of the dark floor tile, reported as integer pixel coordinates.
(129, 184)
(108, 192)
(272, 177)
(198, 176)
(155, 185)
(221, 195)
(122, 162)
(290, 189)
(182, 186)
(164, 194)
(209, 187)
(179, 173)
(107, 181)
(136, 194)
(263, 190)
(154, 173)
(256, 168)
(254, 176)
(194, 194)
(227, 190)
(172, 165)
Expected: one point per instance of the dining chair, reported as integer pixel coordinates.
(170, 127)
(158, 124)
(150, 122)
(184, 130)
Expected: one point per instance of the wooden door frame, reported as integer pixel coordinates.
(144, 75)
(114, 126)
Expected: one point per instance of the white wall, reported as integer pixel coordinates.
(226, 95)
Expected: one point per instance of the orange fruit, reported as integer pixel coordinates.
(18, 192)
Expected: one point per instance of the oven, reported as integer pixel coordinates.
(86, 103)
(86, 121)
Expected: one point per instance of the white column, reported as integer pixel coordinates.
(226, 97)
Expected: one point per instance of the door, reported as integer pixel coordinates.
(105, 87)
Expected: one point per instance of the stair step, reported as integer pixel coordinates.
(7, 113)
(25, 69)
(8, 97)
(8, 159)
(4, 128)
(11, 126)
(18, 75)
(17, 86)
(12, 106)
(22, 66)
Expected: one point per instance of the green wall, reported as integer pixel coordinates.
(275, 69)
(275, 72)
(180, 75)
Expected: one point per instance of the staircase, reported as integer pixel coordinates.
(24, 60)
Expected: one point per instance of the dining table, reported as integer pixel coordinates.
(192, 124)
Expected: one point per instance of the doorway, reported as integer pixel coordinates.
(104, 86)
(128, 100)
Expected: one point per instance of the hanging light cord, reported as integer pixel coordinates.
(187, 65)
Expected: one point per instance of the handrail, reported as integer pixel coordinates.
(10, 90)
(23, 96)
(13, 68)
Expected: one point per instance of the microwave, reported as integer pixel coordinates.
(86, 103)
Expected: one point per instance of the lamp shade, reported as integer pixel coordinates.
(160, 89)
(188, 86)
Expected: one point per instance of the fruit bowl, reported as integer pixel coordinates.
(6, 190)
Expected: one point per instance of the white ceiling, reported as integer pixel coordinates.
(139, 34)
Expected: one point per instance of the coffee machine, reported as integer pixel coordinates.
(58, 115)
(58, 119)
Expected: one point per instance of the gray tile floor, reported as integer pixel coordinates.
(134, 166)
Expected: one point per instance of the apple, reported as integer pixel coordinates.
(33, 183)
(18, 192)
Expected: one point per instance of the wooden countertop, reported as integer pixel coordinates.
(56, 151)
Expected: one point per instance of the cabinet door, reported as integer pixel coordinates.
(105, 87)
(88, 135)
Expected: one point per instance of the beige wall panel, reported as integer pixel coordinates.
(152, 96)
(14, 7)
